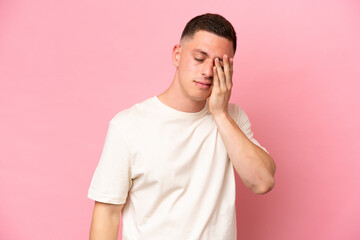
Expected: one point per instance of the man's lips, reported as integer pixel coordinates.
(203, 84)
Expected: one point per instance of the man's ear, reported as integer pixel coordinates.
(176, 55)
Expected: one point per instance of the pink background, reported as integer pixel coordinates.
(67, 67)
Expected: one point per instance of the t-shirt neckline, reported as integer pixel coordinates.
(180, 114)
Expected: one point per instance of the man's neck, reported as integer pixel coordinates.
(175, 98)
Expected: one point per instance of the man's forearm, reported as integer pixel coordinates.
(255, 167)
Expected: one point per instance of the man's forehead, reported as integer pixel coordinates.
(198, 50)
(205, 43)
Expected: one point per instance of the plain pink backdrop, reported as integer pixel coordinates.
(67, 67)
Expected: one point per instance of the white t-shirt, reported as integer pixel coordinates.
(171, 170)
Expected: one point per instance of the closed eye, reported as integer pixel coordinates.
(199, 60)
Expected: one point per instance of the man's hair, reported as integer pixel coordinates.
(213, 23)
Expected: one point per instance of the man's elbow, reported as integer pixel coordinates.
(265, 188)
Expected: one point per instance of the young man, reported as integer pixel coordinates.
(168, 161)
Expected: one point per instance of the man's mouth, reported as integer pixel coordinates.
(203, 84)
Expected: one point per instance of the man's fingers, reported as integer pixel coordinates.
(215, 78)
(220, 74)
(228, 71)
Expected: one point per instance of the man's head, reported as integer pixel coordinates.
(212, 23)
(204, 38)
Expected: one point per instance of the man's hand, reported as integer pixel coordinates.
(222, 85)
(255, 167)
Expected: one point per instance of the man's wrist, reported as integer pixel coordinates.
(221, 116)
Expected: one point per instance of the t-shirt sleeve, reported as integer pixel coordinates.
(244, 124)
(112, 178)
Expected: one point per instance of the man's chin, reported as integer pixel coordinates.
(201, 98)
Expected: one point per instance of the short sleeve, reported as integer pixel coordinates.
(112, 178)
(244, 124)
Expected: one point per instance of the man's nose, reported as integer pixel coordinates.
(207, 69)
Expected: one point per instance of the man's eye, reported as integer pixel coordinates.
(199, 60)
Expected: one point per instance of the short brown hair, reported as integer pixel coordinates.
(213, 23)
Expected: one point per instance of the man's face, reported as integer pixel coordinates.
(195, 60)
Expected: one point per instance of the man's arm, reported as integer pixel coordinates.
(106, 221)
(255, 167)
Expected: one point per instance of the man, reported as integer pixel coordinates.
(167, 162)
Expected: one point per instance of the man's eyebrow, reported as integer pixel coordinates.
(200, 51)
(205, 53)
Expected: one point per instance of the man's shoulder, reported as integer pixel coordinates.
(233, 109)
(130, 114)
(237, 113)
